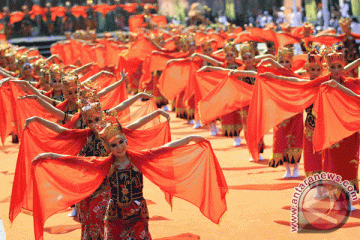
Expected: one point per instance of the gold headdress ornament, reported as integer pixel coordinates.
(69, 81)
(39, 64)
(245, 49)
(44, 76)
(89, 103)
(230, 47)
(21, 60)
(331, 56)
(183, 39)
(109, 130)
(285, 27)
(314, 58)
(133, 37)
(56, 71)
(345, 24)
(285, 53)
(307, 29)
(270, 26)
(205, 43)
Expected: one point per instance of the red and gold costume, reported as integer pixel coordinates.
(312, 160)
(288, 135)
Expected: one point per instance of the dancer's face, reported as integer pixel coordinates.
(56, 84)
(207, 51)
(118, 146)
(286, 63)
(248, 59)
(92, 121)
(230, 57)
(314, 71)
(27, 71)
(336, 70)
(72, 95)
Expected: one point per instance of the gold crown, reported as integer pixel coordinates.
(69, 81)
(270, 26)
(335, 57)
(44, 76)
(205, 43)
(307, 29)
(314, 59)
(230, 47)
(21, 60)
(56, 71)
(286, 53)
(345, 24)
(183, 39)
(245, 48)
(285, 27)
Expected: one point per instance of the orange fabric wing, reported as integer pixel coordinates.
(274, 101)
(228, 96)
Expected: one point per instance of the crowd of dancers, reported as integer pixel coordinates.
(82, 146)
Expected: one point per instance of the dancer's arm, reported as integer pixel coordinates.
(352, 65)
(142, 121)
(114, 85)
(212, 68)
(242, 73)
(270, 61)
(82, 68)
(50, 125)
(48, 156)
(289, 79)
(335, 84)
(184, 141)
(27, 87)
(96, 76)
(208, 59)
(50, 108)
(127, 103)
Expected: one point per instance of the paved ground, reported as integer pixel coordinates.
(259, 201)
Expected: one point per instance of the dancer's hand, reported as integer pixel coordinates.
(331, 83)
(5, 81)
(268, 75)
(28, 96)
(203, 69)
(145, 95)
(123, 73)
(42, 156)
(30, 120)
(193, 55)
(107, 73)
(232, 72)
(264, 61)
(196, 138)
(165, 114)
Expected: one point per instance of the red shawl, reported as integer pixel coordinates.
(190, 172)
(338, 117)
(219, 101)
(274, 101)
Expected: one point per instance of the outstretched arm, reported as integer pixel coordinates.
(184, 141)
(82, 68)
(335, 84)
(212, 68)
(96, 76)
(289, 79)
(142, 121)
(48, 156)
(114, 85)
(127, 103)
(211, 60)
(352, 65)
(242, 73)
(50, 108)
(27, 87)
(270, 61)
(50, 125)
